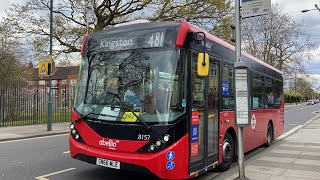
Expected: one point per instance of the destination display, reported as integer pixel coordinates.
(132, 40)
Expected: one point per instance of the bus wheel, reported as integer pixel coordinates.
(227, 152)
(269, 135)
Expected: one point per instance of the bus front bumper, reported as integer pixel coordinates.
(155, 163)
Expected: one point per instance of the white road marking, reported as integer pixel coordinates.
(43, 177)
(17, 140)
(66, 152)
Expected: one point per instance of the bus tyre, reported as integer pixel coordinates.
(269, 135)
(227, 152)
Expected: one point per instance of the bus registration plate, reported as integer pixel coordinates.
(108, 163)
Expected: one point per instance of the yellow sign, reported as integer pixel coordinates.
(45, 69)
(129, 117)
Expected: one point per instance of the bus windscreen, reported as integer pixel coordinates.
(148, 81)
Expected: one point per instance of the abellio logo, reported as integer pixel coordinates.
(109, 143)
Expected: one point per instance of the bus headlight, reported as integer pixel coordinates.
(166, 137)
(158, 144)
(151, 147)
(73, 131)
(75, 134)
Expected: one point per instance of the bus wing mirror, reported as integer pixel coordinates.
(198, 37)
(203, 64)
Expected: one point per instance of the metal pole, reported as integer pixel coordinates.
(87, 16)
(240, 153)
(295, 87)
(238, 58)
(290, 88)
(238, 31)
(49, 126)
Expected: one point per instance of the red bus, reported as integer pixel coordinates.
(142, 106)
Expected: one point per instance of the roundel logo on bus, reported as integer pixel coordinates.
(253, 121)
(109, 143)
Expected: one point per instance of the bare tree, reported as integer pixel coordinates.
(70, 17)
(212, 15)
(73, 18)
(278, 40)
(12, 58)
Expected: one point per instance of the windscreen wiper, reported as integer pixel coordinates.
(149, 128)
(83, 117)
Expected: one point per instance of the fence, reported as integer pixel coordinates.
(24, 104)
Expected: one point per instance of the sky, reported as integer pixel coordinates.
(311, 24)
(5, 4)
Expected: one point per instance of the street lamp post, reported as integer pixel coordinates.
(307, 10)
(290, 87)
(49, 125)
(295, 87)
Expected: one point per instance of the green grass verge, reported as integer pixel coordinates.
(42, 118)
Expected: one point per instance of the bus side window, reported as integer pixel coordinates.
(269, 94)
(227, 88)
(257, 92)
(278, 93)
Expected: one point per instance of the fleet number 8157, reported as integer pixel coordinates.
(144, 137)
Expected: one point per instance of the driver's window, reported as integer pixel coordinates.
(198, 88)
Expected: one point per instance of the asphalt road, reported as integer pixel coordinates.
(299, 115)
(48, 158)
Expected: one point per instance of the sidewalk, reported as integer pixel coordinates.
(29, 131)
(294, 157)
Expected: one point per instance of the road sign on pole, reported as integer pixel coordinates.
(241, 76)
(45, 69)
(251, 8)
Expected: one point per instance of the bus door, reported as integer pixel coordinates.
(203, 125)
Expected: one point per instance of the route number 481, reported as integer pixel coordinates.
(156, 39)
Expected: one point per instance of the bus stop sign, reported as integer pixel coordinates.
(242, 92)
